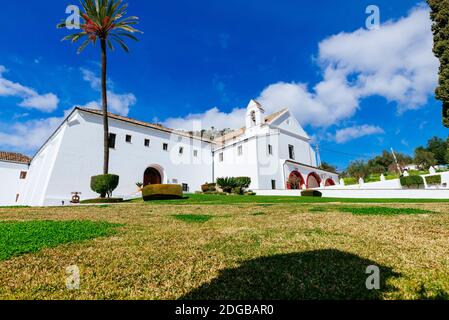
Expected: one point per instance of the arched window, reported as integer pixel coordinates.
(253, 117)
(295, 181)
(330, 182)
(313, 181)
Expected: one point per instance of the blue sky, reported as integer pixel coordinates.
(355, 91)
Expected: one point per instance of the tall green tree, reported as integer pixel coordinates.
(424, 158)
(440, 17)
(104, 21)
(439, 148)
(358, 169)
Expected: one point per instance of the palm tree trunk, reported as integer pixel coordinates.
(105, 107)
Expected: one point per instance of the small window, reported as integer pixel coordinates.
(185, 187)
(195, 153)
(129, 138)
(273, 184)
(23, 175)
(147, 142)
(112, 138)
(179, 139)
(221, 157)
(165, 146)
(240, 150)
(181, 150)
(175, 181)
(291, 152)
(270, 149)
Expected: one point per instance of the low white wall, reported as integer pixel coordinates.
(357, 193)
(393, 184)
(386, 193)
(290, 193)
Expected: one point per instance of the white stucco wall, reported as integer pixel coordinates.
(74, 154)
(77, 154)
(10, 183)
(234, 165)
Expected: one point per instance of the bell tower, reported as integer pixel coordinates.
(254, 114)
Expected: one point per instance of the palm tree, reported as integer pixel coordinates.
(104, 21)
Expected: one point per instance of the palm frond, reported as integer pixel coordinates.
(104, 19)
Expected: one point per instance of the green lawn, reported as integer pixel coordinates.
(207, 199)
(363, 211)
(18, 238)
(193, 218)
(247, 248)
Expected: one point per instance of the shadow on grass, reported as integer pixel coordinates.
(324, 274)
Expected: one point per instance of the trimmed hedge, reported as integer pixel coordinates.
(412, 181)
(311, 193)
(162, 192)
(209, 187)
(105, 184)
(436, 179)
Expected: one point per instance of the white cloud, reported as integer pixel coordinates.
(211, 118)
(117, 103)
(395, 62)
(46, 102)
(29, 135)
(92, 78)
(31, 99)
(351, 133)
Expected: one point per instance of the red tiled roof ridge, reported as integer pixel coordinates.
(14, 157)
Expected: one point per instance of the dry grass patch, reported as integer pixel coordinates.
(289, 252)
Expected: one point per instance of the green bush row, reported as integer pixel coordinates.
(436, 179)
(412, 181)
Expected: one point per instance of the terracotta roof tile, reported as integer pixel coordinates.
(14, 157)
(234, 134)
(142, 123)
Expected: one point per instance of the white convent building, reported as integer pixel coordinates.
(269, 149)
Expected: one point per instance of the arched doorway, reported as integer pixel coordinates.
(330, 182)
(295, 181)
(152, 176)
(313, 181)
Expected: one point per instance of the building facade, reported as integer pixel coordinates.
(271, 150)
(13, 174)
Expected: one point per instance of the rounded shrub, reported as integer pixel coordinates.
(243, 182)
(311, 193)
(162, 192)
(104, 184)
